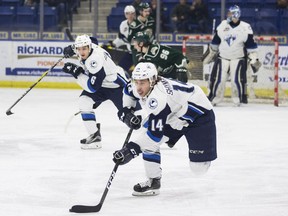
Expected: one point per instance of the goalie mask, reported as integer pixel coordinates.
(234, 12)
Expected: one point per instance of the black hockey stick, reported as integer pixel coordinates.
(69, 35)
(97, 208)
(9, 112)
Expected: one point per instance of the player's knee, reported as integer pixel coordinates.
(199, 168)
(85, 103)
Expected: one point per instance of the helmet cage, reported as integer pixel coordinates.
(235, 13)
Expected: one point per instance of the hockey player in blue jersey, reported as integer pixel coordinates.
(171, 110)
(101, 80)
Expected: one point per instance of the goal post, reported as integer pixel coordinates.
(264, 84)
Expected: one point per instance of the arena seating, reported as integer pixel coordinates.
(15, 16)
(263, 15)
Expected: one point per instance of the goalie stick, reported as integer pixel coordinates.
(97, 208)
(9, 112)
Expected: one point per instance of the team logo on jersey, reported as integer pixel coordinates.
(153, 103)
(154, 50)
(93, 64)
(230, 39)
(133, 24)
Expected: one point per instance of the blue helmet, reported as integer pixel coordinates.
(235, 12)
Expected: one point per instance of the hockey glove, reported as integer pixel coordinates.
(126, 154)
(181, 74)
(256, 66)
(210, 54)
(254, 61)
(72, 69)
(68, 51)
(131, 120)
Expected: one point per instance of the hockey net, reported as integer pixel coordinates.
(268, 85)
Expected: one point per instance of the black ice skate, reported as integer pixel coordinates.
(92, 141)
(149, 188)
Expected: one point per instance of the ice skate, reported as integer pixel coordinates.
(93, 141)
(149, 188)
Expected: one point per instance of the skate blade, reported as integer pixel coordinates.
(91, 146)
(146, 193)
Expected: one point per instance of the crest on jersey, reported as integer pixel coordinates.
(93, 64)
(152, 103)
(230, 39)
(154, 50)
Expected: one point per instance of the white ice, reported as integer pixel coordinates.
(44, 172)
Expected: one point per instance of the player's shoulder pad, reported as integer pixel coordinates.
(96, 59)
(247, 27)
(157, 100)
(155, 48)
(222, 25)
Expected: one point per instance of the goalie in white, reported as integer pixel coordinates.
(101, 80)
(173, 110)
(230, 42)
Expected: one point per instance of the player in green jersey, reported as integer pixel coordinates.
(170, 62)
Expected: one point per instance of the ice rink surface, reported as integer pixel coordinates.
(44, 172)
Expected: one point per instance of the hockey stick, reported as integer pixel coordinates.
(69, 35)
(97, 208)
(70, 119)
(9, 112)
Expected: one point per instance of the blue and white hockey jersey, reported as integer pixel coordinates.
(100, 71)
(170, 102)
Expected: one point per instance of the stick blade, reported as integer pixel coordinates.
(85, 209)
(8, 112)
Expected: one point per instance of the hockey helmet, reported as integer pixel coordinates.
(233, 12)
(142, 37)
(143, 5)
(83, 40)
(129, 9)
(145, 70)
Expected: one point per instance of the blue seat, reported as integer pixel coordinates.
(271, 18)
(113, 22)
(284, 22)
(249, 15)
(26, 18)
(7, 17)
(15, 3)
(50, 18)
(117, 11)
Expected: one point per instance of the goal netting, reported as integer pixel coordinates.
(269, 84)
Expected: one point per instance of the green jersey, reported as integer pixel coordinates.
(137, 25)
(166, 59)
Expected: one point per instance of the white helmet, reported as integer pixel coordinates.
(83, 40)
(145, 70)
(129, 9)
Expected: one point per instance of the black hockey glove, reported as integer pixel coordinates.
(126, 154)
(131, 120)
(68, 51)
(72, 69)
(181, 74)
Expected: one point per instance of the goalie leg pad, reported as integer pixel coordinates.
(209, 55)
(218, 80)
(238, 68)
